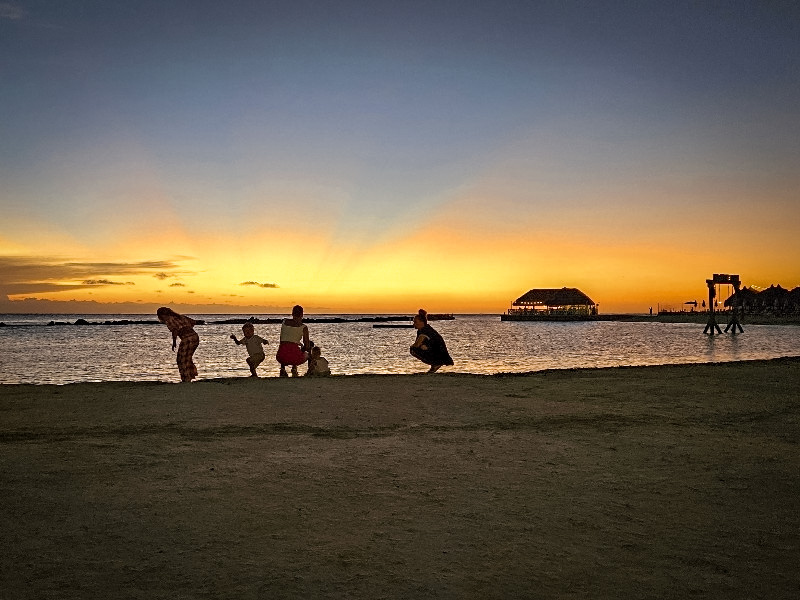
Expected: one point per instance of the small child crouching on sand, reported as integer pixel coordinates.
(255, 347)
(317, 364)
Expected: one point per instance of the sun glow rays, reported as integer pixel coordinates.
(383, 160)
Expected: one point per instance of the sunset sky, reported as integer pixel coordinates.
(245, 156)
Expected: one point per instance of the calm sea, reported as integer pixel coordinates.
(32, 352)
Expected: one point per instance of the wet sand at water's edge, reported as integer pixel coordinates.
(646, 482)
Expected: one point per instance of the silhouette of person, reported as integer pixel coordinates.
(294, 346)
(181, 327)
(255, 347)
(318, 364)
(429, 347)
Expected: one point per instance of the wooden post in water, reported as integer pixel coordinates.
(712, 293)
(734, 321)
(712, 321)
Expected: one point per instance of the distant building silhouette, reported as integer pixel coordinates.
(774, 300)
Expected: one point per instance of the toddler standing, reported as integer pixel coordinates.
(255, 347)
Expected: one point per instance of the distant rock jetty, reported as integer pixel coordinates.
(243, 320)
(278, 320)
(110, 322)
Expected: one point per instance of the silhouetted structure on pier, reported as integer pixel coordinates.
(552, 304)
(733, 323)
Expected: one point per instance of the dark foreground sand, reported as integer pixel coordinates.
(656, 482)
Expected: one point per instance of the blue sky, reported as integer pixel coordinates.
(613, 129)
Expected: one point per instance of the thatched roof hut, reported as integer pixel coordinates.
(564, 304)
(774, 299)
(774, 295)
(554, 298)
(745, 297)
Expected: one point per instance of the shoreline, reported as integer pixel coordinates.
(659, 481)
(338, 376)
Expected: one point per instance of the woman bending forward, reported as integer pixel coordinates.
(182, 327)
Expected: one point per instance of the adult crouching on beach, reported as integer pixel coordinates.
(294, 347)
(181, 327)
(429, 347)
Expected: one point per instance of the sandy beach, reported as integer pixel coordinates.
(651, 482)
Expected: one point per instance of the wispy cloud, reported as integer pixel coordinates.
(124, 267)
(257, 284)
(37, 305)
(37, 274)
(95, 282)
(11, 11)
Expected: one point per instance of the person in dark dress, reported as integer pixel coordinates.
(429, 346)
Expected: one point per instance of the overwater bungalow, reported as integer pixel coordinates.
(564, 304)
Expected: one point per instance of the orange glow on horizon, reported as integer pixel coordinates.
(448, 263)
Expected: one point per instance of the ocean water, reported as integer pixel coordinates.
(32, 352)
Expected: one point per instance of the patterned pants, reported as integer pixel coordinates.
(186, 348)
